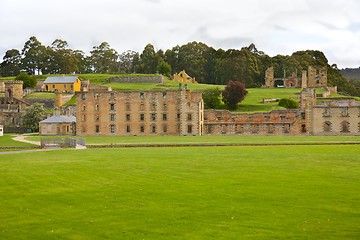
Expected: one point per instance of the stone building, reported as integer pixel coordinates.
(314, 77)
(12, 107)
(171, 112)
(183, 77)
(58, 125)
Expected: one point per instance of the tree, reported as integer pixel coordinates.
(104, 58)
(164, 68)
(233, 93)
(61, 59)
(126, 61)
(34, 55)
(28, 81)
(11, 65)
(148, 60)
(33, 115)
(212, 98)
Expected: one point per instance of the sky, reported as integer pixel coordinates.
(274, 26)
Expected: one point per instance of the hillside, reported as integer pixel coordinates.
(351, 73)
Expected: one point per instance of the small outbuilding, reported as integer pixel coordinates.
(62, 84)
(1, 130)
(58, 125)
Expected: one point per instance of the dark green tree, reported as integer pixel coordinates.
(212, 98)
(104, 58)
(34, 56)
(33, 115)
(11, 65)
(164, 68)
(126, 61)
(148, 60)
(233, 93)
(62, 60)
(29, 81)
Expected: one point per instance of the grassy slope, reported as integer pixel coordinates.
(292, 192)
(41, 95)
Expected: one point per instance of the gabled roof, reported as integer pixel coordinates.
(59, 119)
(61, 79)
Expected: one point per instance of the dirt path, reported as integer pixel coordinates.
(21, 138)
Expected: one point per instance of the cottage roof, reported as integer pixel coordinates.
(59, 119)
(61, 79)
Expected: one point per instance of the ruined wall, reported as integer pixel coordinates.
(279, 122)
(317, 77)
(341, 117)
(137, 79)
(269, 77)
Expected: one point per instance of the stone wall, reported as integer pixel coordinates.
(137, 79)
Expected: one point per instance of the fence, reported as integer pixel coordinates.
(61, 142)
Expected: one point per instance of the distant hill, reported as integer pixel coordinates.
(351, 73)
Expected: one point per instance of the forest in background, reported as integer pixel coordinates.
(206, 64)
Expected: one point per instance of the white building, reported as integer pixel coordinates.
(1, 130)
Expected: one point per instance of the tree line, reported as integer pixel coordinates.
(206, 64)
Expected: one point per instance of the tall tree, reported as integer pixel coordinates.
(11, 65)
(234, 93)
(34, 55)
(126, 61)
(148, 60)
(104, 58)
(62, 59)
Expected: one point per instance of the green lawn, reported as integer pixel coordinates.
(41, 95)
(289, 192)
(6, 141)
(214, 139)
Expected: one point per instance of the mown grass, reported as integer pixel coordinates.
(289, 192)
(214, 139)
(7, 141)
(41, 95)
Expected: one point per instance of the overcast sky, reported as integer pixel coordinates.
(274, 26)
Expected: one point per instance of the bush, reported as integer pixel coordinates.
(212, 98)
(28, 81)
(288, 103)
(233, 93)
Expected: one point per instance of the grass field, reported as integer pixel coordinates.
(6, 141)
(289, 192)
(214, 139)
(41, 95)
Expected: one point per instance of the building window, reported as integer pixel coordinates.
(142, 107)
(142, 128)
(153, 128)
(97, 128)
(96, 96)
(83, 107)
(189, 129)
(345, 112)
(97, 118)
(112, 106)
(127, 106)
(267, 117)
(178, 116)
(164, 117)
(164, 106)
(128, 129)
(112, 95)
(223, 129)
(303, 116)
(165, 128)
(153, 117)
(97, 107)
(327, 112)
(83, 96)
(152, 107)
(142, 117)
(112, 117)
(282, 117)
(127, 117)
(209, 128)
(83, 117)
(64, 86)
(345, 126)
(189, 116)
(286, 128)
(303, 128)
(83, 129)
(327, 126)
(53, 85)
(270, 128)
(164, 94)
(112, 128)
(142, 95)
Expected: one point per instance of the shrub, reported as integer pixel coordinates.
(288, 103)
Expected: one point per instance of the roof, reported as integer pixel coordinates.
(61, 79)
(59, 119)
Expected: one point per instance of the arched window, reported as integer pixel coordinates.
(345, 126)
(327, 126)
